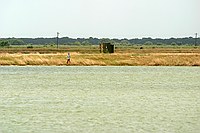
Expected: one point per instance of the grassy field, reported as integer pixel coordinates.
(90, 55)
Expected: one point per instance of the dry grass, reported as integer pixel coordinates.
(131, 57)
(102, 59)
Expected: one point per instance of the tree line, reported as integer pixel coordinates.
(95, 41)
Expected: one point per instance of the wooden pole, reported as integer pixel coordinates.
(57, 38)
(195, 39)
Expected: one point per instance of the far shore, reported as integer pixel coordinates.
(92, 57)
(117, 59)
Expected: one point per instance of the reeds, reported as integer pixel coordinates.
(116, 59)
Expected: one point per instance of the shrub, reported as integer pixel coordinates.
(4, 44)
(30, 46)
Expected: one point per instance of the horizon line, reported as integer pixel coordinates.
(98, 37)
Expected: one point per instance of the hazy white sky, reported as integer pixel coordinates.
(100, 18)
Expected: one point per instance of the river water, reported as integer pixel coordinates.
(99, 99)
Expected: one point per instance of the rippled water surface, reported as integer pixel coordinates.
(100, 99)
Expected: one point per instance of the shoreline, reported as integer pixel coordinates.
(94, 59)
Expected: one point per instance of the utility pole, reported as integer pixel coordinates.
(195, 39)
(57, 38)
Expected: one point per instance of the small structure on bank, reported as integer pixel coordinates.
(106, 48)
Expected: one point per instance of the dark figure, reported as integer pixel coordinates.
(68, 58)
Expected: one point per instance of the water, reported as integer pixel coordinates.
(100, 99)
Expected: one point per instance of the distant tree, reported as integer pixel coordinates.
(173, 43)
(179, 43)
(148, 43)
(105, 40)
(16, 42)
(96, 41)
(160, 43)
(4, 43)
(77, 43)
(86, 43)
(125, 42)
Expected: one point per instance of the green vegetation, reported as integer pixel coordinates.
(95, 41)
(4, 43)
(8, 42)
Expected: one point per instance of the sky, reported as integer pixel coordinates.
(99, 18)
